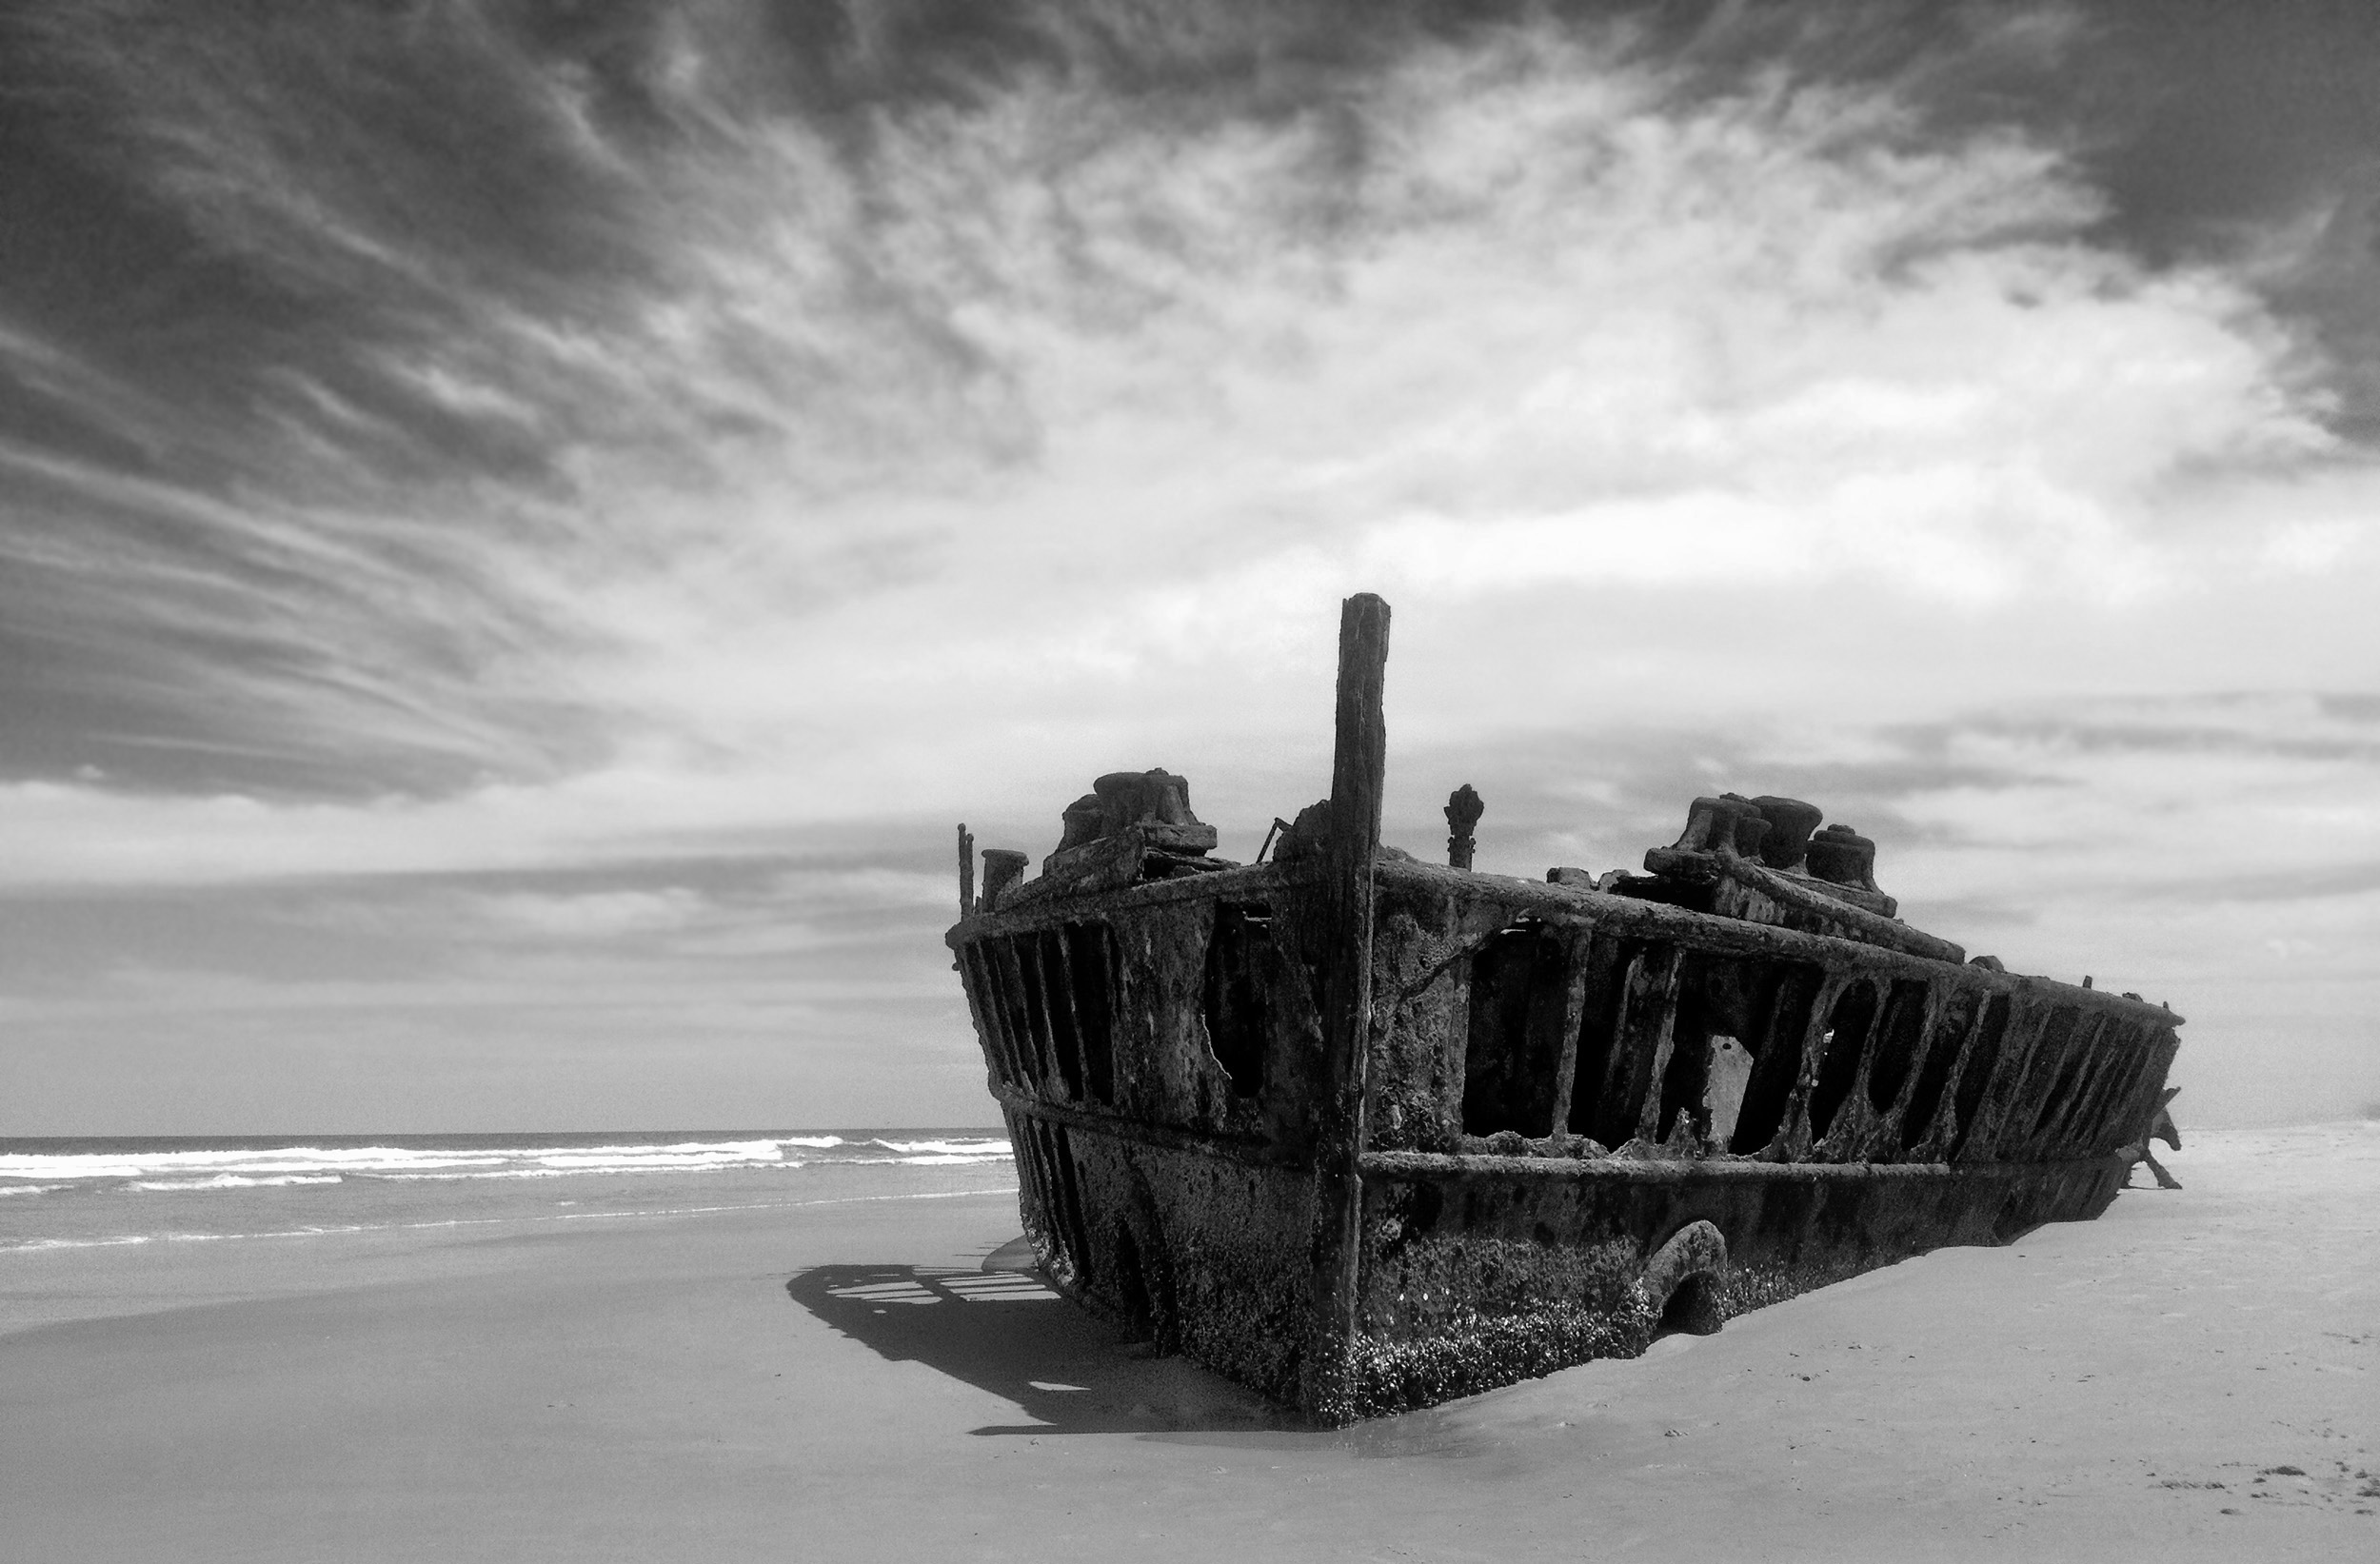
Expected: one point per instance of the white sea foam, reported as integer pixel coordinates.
(970, 1147)
(693, 1155)
(222, 1168)
(31, 1245)
(152, 1164)
(237, 1180)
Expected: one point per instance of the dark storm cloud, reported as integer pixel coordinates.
(2253, 133)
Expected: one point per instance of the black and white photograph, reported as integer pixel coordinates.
(1081, 780)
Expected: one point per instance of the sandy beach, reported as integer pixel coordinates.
(2191, 1377)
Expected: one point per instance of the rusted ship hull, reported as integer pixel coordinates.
(1521, 1153)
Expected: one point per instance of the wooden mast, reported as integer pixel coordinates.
(1358, 766)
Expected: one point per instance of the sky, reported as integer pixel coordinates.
(524, 528)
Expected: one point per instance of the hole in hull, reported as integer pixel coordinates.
(1724, 1083)
(1608, 963)
(1087, 960)
(1781, 1018)
(1838, 1065)
(1511, 1050)
(1233, 998)
(1692, 1308)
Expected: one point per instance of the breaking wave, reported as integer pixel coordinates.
(60, 1167)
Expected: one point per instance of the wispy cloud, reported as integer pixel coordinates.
(542, 447)
(968, 403)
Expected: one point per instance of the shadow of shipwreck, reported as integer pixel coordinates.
(1005, 1332)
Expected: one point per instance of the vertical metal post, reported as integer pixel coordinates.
(1463, 809)
(966, 871)
(1358, 764)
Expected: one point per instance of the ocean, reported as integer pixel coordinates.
(94, 1226)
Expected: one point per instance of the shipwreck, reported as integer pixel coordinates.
(1365, 1133)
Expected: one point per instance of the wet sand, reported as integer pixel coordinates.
(2194, 1375)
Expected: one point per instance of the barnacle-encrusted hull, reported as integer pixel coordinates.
(1539, 1141)
(1155, 1051)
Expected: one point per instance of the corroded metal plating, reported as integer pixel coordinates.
(1365, 1133)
